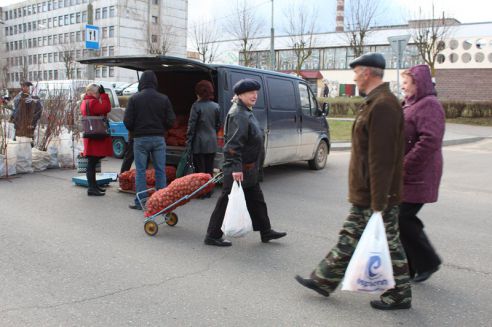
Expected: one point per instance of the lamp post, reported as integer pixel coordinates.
(272, 45)
(398, 44)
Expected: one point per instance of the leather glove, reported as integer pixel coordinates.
(101, 89)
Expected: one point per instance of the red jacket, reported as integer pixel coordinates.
(92, 147)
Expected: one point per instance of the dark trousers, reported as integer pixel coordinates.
(420, 252)
(91, 171)
(128, 157)
(254, 201)
(204, 163)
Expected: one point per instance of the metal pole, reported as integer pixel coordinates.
(272, 45)
(398, 70)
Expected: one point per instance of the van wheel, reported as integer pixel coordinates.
(319, 160)
(119, 146)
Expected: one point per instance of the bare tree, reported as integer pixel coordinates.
(163, 40)
(360, 18)
(429, 34)
(244, 26)
(68, 57)
(301, 23)
(203, 37)
(5, 70)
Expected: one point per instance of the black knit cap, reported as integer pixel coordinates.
(246, 85)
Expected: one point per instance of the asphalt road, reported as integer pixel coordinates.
(70, 260)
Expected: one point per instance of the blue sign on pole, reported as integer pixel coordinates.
(92, 37)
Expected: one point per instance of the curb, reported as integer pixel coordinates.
(344, 146)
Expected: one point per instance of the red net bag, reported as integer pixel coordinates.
(176, 190)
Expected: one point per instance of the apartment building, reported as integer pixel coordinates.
(43, 39)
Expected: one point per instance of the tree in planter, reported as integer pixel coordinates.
(360, 18)
(244, 26)
(67, 55)
(301, 28)
(203, 37)
(53, 118)
(429, 34)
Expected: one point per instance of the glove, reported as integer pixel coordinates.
(101, 89)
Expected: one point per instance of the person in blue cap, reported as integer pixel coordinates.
(244, 143)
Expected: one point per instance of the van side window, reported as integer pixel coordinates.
(281, 94)
(305, 103)
(260, 102)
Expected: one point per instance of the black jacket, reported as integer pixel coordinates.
(149, 112)
(203, 125)
(243, 143)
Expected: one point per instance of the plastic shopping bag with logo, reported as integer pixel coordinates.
(237, 222)
(370, 269)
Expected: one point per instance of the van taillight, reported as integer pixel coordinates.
(220, 137)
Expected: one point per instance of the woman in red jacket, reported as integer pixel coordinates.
(95, 103)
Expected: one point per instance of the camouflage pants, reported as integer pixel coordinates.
(330, 271)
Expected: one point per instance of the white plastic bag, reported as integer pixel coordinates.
(53, 153)
(237, 222)
(40, 160)
(370, 269)
(10, 160)
(24, 155)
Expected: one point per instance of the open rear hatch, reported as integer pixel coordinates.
(177, 78)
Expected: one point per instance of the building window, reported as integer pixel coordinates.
(105, 12)
(466, 57)
(479, 57)
(98, 72)
(65, 20)
(60, 20)
(55, 57)
(154, 38)
(155, 2)
(77, 17)
(55, 21)
(104, 51)
(72, 18)
(55, 74)
(104, 33)
(84, 16)
(112, 11)
(111, 51)
(78, 36)
(98, 13)
(154, 19)
(111, 71)
(111, 31)
(105, 72)
(50, 57)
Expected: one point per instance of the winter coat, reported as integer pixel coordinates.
(203, 125)
(27, 111)
(376, 162)
(97, 147)
(244, 143)
(148, 113)
(424, 132)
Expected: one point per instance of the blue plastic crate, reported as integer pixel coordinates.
(100, 179)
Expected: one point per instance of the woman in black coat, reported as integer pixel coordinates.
(203, 125)
(243, 145)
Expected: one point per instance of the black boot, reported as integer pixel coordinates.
(100, 188)
(91, 180)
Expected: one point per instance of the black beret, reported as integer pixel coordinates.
(370, 59)
(26, 83)
(246, 85)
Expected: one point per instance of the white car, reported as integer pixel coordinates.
(130, 90)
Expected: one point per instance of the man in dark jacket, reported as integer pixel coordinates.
(27, 111)
(148, 115)
(375, 184)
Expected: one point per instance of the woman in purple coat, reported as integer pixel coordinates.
(424, 131)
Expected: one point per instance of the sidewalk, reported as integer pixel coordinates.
(455, 134)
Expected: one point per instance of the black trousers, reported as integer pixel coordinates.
(204, 163)
(420, 252)
(254, 201)
(128, 157)
(91, 171)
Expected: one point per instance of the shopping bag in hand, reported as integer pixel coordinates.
(370, 268)
(237, 221)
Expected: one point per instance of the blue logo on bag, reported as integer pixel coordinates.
(373, 264)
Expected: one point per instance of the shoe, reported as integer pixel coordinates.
(101, 189)
(271, 235)
(94, 192)
(134, 206)
(311, 284)
(217, 241)
(425, 275)
(380, 305)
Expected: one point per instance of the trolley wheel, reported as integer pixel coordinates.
(151, 228)
(171, 219)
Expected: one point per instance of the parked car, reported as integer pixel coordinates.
(295, 126)
(120, 86)
(131, 89)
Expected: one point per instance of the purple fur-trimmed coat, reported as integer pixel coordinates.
(424, 131)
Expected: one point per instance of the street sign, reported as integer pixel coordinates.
(92, 37)
(398, 43)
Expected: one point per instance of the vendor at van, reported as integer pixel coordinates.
(243, 145)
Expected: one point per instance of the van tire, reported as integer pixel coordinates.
(320, 156)
(119, 147)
